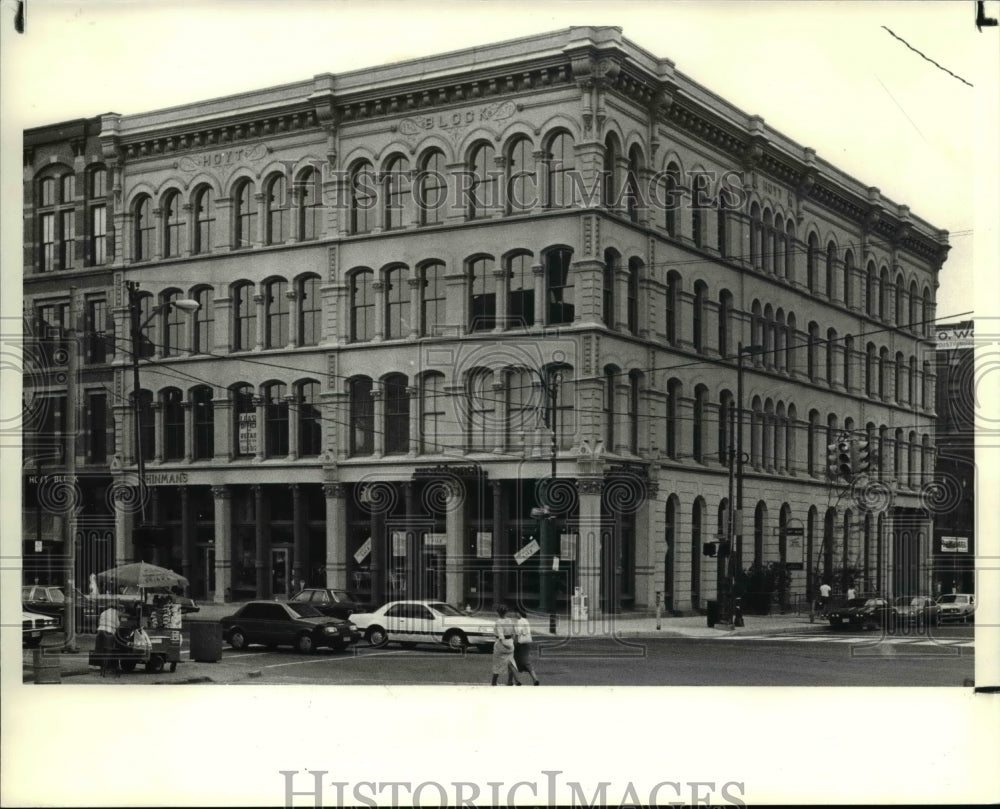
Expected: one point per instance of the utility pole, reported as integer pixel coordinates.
(546, 528)
(72, 430)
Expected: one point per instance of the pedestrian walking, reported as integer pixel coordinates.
(104, 645)
(824, 593)
(503, 646)
(523, 648)
(851, 593)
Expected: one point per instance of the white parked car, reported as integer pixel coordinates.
(957, 607)
(411, 622)
(34, 626)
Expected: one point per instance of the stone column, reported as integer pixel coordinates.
(538, 272)
(294, 405)
(188, 408)
(261, 408)
(157, 453)
(500, 290)
(258, 300)
(223, 543)
(414, 554)
(378, 287)
(500, 554)
(455, 558)
(292, 338)
(378, 408)
(336, 535)
(415, 294)
(126, 508)
(222, 228)
(222, 325)
(222, 428)
(298, 536)
(262, 562)
(645, 540)
(588, 562)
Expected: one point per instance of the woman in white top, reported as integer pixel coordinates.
(503, 646)
(523, 646)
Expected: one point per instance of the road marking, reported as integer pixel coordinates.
(857, 639)
(331, 659)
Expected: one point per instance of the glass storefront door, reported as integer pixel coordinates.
(281, 571)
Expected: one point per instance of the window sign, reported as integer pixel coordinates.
(362, 553)
(954, 544)
(527, 552)
(793, 548)
(567, 546)
(484, 544)
(398, 543)
(248, 433)
(435, 539)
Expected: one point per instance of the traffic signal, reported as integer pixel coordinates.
(831, 461)
(860, 458)
(844, 460)
(708, 548)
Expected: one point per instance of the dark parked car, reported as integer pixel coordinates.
(34, 626)
(863, 613)
(919, 610)
(274, 623)
(48, 599)
(337, 603)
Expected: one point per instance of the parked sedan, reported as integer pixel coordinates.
(411, 622)
(34, 626)
(338, 603)
(919, 610)
(274, 623)
(957, 607)
(49, 599)
(862, 613)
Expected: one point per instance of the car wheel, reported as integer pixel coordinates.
(304, 644)
(155, 664)
(456, 641)
(127, 665)
(237, 639)
(377, 637)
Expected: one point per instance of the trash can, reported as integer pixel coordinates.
(46, 666)
(712, 612)
(206, 641)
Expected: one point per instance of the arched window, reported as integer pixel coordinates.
(883, 294)
(275, 420)
(697, 524)
(778, 257)
(244, 420)
(635, 381)
(831, 266)
(173, 225)
(204, 422)
(811, 351)
(561, 165)
(397, 314)
(914, 318)
(523, 406)
(308, 205)
(871, 358)
(699, 201)
(275, 314)
(698, 315)
(849, 360)
(812, 258)
(310, 438)
(632, 308)
(927, 313)
(204, 220)
(432, 301)
(831, 355)
(521, 291)
(145, 227)
(244, 317)
(560, 379)
(244, 215)
(698, 426)
(397, 415)
(792, 356)
(610, 383)
(483, 300)
(672, 198)
(608, 287)
(725, 322)
(559, 282)
(204, 322)
(174, 333)
(432, 412)
(362, 306)
(483, 190)
(276, 209)
(363, 198)
(609, 174)
(432, 188)
(147, 426)
(756, 433)
(362, 409)
(482, 411)
(848, 278)
(97, 217)
(897, 454)
(789, 268)
(900, 313)
(522, 185)
(398, 194)
(812, 443)
(722, 226)
(173, 424)
(674, 392)
(911, 393)
(726, 426)
(883, 370)
(310, 310)
(871, 289)
(631, 190)
(673, 305)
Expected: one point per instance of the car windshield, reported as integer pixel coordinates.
(56, 595)
(303, 596)
(950, 599)
(444, 609)
(909, 601)
(305, 610)
(341, 595)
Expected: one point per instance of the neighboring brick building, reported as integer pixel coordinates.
(359, 397)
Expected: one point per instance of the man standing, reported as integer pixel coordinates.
(107, 625)
(824, 594)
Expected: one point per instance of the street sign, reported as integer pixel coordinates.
(954, 544)
(435, 539)
(247, 433)
(527, 551)
(484, 544)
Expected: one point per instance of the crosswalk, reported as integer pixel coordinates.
(866, 640)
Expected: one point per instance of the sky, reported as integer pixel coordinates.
(827, 75)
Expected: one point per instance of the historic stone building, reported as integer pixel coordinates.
(401, 272)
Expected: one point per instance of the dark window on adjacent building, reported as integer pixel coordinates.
(275, 421)
(173, 424)
(483, 290)
(397, 415)
(244, 318)
(275, 314)
(362, 420)
(310, 310)
(204, 423)
(362, 306)
(310, 420)
(560, 291)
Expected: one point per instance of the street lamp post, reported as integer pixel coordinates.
(546, 519)
(185, 305)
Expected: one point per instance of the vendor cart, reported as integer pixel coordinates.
(164, 650)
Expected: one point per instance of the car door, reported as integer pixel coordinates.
(397, 622)
(425, 625)
(277, 625)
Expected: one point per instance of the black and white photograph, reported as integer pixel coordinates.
(362, 361)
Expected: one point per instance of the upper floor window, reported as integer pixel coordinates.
(521, 292)
(98, 183)
(276, 208)
(56, 223)
(362, 306)
(362, 416)
(275, 313)
(632, 301)
(310, 419)
(631, 189)
(725, 322)
(561, 163)
(310, 310)
(148, 335)
(275, 420)
(244, 317)
(397, 308)
(244, 215)
(174, 323)
(398, 194)
(204, 321)
(145, 227)
(482, 410)
(173, 220)
(432, 303)
(96, 416)
(204, 220)
(204, 422)
(698, 316)
(432, 412)
(97, 217)
(560, 295)
(609, 175)
(609, 273)
(397, 415)
(483, 291)
(432, 188)
(244, 420)
(673, 301)
(96, 331)
(522, 186)
(48, 241)
(483, 190)
(672, 198)
(52, 321)
(173, 424)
